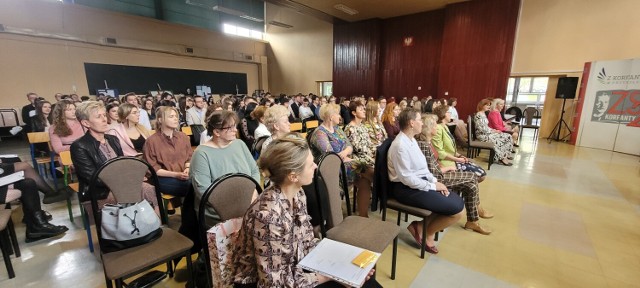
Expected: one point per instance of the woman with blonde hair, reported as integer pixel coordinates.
(391, 112)
(130, 132)
(65, 127)
(276, 119)
(502, 142)
(464, 183)
(495, 120)
(169, 151)
(373, 124)
(276, 232)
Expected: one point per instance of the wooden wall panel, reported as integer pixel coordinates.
(356, 58)
(477, 49)
(407, 67)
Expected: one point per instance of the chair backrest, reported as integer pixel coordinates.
(328, 182)
(471, 130)
(311, 124)
(123, 176)
(296, 127)
(529, 114)
(230, 196)
(187, 130)
(65, 158)
(9, 118)
(38, 137)
(514, 110)
(257, 146)
(381, 182)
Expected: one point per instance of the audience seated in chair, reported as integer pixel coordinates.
(389, 120)
(65, 128)
(502, 141)
(221, 155)
(461, 182)
(261, 130)
(363, 155)
(204, 136)
(169, 151)
(372, 122)
(495, 121)
(445, 147)
(247, 125)
(38, 226)
(131, 134)
(276, 233)
(93, 149)
(276, 119)
(414, 185)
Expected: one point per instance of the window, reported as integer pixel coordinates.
(325, 88)
(243, 32)
(526, 90)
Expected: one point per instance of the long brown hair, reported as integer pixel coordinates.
(59, 120)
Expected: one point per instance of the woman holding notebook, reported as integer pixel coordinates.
(276, 233)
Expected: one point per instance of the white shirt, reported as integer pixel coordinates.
(305, 112)
(408, 165)
(204, 137)
(144, 119)
(261, 131)
(454, 113)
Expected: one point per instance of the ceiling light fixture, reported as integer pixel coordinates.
(346, 9)
(280, 24)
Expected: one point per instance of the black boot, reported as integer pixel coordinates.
(61, 195)
(40, 228)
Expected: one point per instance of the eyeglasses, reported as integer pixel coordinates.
(227, 128)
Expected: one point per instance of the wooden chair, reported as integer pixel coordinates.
(310, 125)
(296, 127)
(187, 130)
(126, 188)
(8, 239)
(40, 162)
(474, 146)
(257, 147)
(358, 231)
(65, 161)
(229, 196)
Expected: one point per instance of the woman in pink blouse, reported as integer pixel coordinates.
(495, 120)
(65, 127)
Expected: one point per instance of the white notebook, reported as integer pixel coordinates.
(12, 178)
(333, 259)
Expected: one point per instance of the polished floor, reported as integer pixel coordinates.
(565, 217)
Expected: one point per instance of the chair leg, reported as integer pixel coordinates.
(355, 197)
(5, 247)
(424, 237)
(14, 239)
(406, 217)
(399, 217)
(87, 227)
(109, 283)
(170, 268)
(394, 258)
(70, 212)
(384, 214)
(119, 283)
(190, 282)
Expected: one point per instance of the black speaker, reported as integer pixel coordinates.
(567, 88)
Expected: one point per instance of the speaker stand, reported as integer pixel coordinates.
(555, 133)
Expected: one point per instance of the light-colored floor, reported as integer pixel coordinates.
(565, 217)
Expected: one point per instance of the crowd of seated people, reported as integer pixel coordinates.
(95, 133)
(502, 141)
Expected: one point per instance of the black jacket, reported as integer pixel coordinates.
(87, 158)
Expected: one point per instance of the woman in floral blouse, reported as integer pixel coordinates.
(276, 233)
(363, 155)
(328, 137)
(377, 134)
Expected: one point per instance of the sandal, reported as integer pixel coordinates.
(413, 230)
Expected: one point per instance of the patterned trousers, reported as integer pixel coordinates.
(466, 185)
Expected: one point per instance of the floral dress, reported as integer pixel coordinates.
(376, 133)
(502, 141)
(363, 150)
(323, 141)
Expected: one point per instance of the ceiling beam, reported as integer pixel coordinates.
(304, 9)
